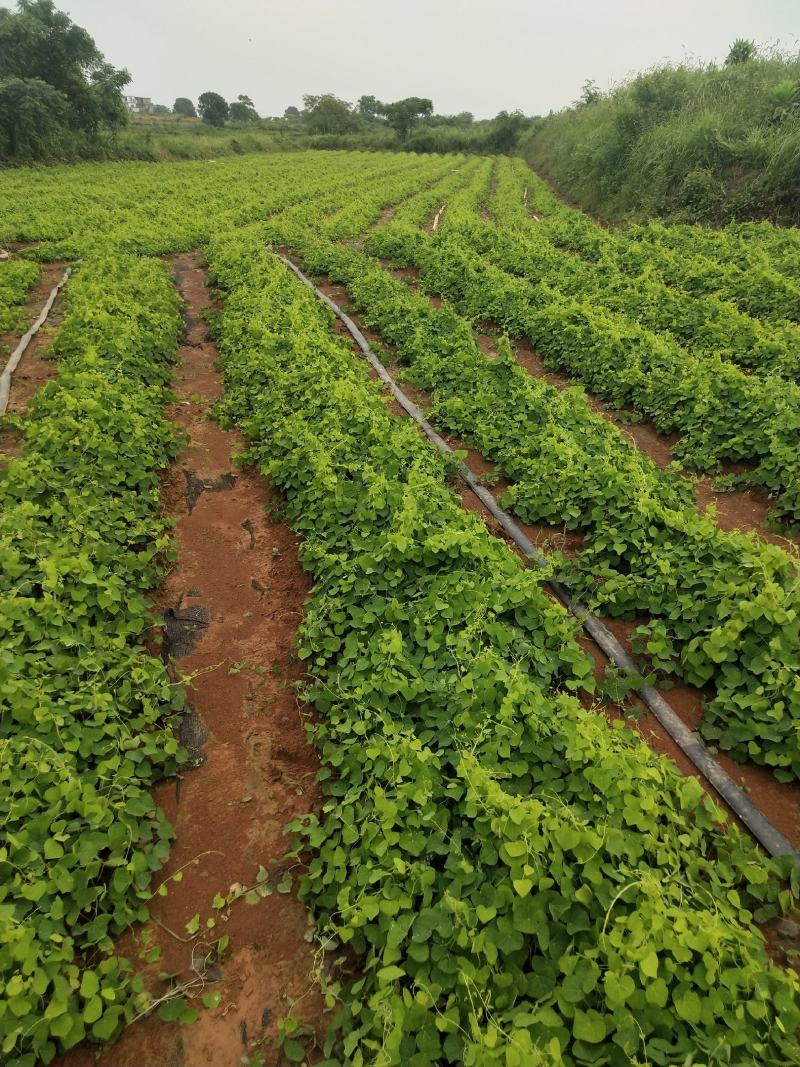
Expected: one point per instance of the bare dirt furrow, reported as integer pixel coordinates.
(230, 606)
(35, 368)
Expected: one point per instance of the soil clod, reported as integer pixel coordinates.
(183, 628)
(196, 486)
(247, 525)
(193, 735)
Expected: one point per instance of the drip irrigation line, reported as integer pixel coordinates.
(25, 340)
(768, 836)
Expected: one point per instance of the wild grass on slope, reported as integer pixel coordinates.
(705, 143)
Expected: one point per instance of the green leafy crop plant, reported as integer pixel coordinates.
(363, 206)
(17, 276)
(71, 212)
(715, 599)
(759, 290)
(86, 716)
(744, 243)
(696, 260)
(422, 207)
(703, 324)
(722, 414)
(520, 882)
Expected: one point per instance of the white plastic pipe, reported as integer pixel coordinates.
(25, 340)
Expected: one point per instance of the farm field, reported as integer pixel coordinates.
(302, 759)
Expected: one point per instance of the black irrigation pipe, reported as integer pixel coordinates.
(734, 796)
(25, 340)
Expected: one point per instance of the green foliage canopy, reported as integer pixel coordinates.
(328, 114)
(213, 108)
(183, 106)
(32, 117)
(53, 81)
(505, 131)
(243, 110)
(370, 108)
(403, 115)
(741, 51)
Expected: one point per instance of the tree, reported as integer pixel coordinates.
(292, 112)
(161, 109)
(464, 118)
(505, 131)
(370, 108)
(40, 45)
(243, 110)
(33, 117)
(108, 105)
(590, 93)
(213, 108)
(741, 51)
(328, 114)
(403, 114)
(183, 106)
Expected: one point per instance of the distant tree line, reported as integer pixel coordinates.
(60, 98)
(213, 109)
(329, 114)
(411, 120)
(408, 123)
(321, 114)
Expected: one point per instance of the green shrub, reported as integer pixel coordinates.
(702, 143)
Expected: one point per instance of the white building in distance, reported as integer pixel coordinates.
(139, 105)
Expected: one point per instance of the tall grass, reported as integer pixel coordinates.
(702, 143)
(164, 142)
(164, 138)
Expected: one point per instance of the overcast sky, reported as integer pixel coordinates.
(467, 55)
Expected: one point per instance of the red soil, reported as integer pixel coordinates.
(34, 369)
(257, 770)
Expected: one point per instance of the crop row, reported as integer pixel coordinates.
(464, 196)
(703, 324)
(139, 208)
(471, 197)
(780, 244)
(16, 277)
(716, 600)
(330, 215)
(746, 245)
(85, 714)
(419, 209)
(760, 291)
(134, 207)
(521, 883)
(757, 289)
(722, 414)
